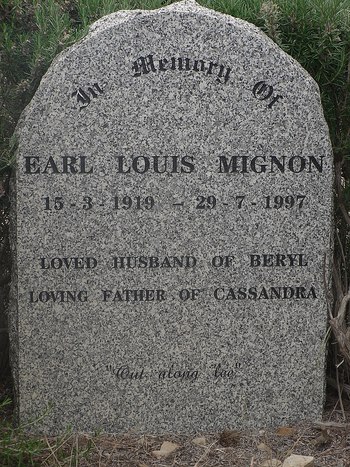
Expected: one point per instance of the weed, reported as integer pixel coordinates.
(20, 448)
(270, 13)
(16, 447)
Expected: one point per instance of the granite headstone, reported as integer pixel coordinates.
(172, 208)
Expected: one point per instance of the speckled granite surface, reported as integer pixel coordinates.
(171, 211)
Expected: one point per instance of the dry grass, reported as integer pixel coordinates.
(136, 451)
(330, 447)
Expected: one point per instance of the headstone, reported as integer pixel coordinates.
(172, 210)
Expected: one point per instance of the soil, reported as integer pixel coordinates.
(329, 444)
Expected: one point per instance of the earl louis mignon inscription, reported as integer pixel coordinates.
(173, 210)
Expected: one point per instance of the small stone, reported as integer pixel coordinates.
(285, 431)
(166, 448)
(200, 441)
(160, 454)
(271, 463)
(298, 461)
(324, 438)
(262, 447)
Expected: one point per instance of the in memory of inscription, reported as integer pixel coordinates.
(173, 210)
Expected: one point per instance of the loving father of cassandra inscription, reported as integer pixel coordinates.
(160, 295)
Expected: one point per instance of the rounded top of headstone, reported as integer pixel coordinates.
(183, 29)
(122, 15)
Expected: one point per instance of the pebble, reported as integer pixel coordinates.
(298, 461)
(285, 431)
(200, 441)
(262, 447)
(166, 448)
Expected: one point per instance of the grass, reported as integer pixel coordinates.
(21, 447)
(226, 449)
(16, 447)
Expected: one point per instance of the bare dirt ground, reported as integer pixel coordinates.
(329, 446)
